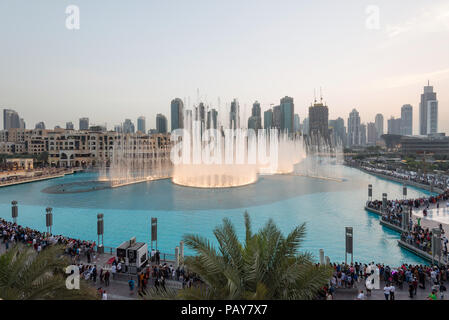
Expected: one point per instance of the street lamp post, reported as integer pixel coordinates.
(384, 202)
(14, 211)
(49, 219)
(100, 232)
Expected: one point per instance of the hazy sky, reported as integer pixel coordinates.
(130, 58)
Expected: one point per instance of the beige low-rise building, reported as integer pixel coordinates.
(70, 148)
(20, 164)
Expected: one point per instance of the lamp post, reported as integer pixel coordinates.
(100, 232)
(49, 219)
(14, 211)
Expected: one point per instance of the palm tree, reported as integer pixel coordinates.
(267, 265)
(28, 275)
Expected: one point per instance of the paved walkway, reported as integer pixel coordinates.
(351, 294)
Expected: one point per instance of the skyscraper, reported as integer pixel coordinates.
(141, 124)
(277, 115)
(407, 120)
(255, 120)
(128, 126)
(394, 126)
(371, 133)
(432, 117)
(84, 124)
(379, 123)
(268, 119)
(319, 120)
(287, 114)
(428, 107)
(296, 123)
(22, 124)
(305, 126)
(354, 134)
(363, 134)
(339, 131)
(69, 126)
(212, 116)
(40, 125)
(177, 114)
(234, 115)
(161, 123)
(11, 119)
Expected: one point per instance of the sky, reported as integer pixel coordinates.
(131, 58)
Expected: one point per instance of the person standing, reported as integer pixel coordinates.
(411, 289)
(106, 278)
(387, 292)
(392, 290)
(104, 296)
(131, 286)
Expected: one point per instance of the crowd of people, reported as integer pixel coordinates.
(417, 203)
(422, 238)
(427, 179)
(154, 274)
(12, 233)
(10, 176)
(407, 276)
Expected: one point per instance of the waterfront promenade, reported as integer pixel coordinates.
(429, 182)
(34, 176)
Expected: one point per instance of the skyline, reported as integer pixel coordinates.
(138, 58)
(141, 121)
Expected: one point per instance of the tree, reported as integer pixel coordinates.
(267, 265)
(28, 275)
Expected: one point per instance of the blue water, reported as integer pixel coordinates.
(326, 207)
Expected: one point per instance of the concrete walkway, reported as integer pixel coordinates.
(351, 294)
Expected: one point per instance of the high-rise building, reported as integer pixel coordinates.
(212, 116)
(277, 115)
(407, 120)
(354, 133)
(363, 134)
(69, 126)
(11, 119)
(379, 123)
(268, 119)
(22, 124)
(428, 107)
(40, 125)
(432, 116)
(234, 115)
(296, 123)
(128, 126)
(255, 121)
(118, 128)
(141, 124)
(177, 114)
(339, 131)
(305, 126)
(161, 123)
(319, 120)
(84, 124)
(371, 133)
(288, 114)
(394, 126)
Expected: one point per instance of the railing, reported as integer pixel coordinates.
(17, 180)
